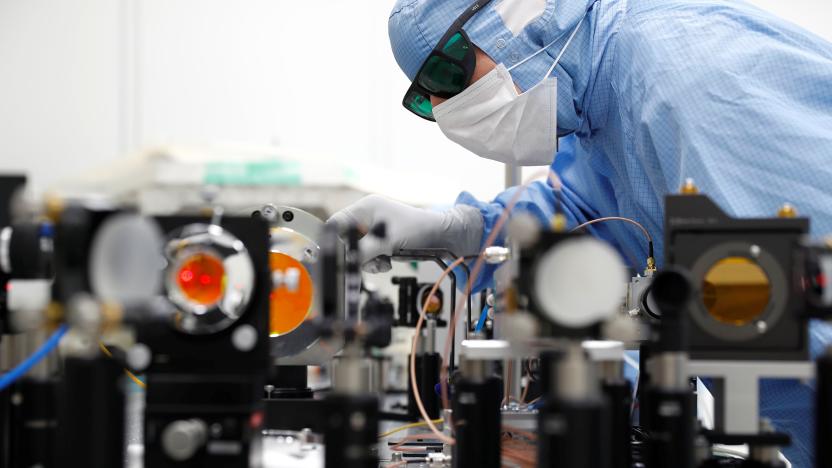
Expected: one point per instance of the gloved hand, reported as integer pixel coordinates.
(458, 230)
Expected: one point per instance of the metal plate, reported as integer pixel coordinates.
(294, 232)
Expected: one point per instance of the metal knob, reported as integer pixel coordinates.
(182, 439)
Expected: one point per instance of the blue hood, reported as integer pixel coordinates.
(415, 26)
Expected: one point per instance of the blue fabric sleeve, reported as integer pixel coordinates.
(539, 200)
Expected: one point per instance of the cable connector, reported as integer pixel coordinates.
(495, 255)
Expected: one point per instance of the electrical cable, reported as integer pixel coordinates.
(481, 321)
(406, 427)
(21, 369)
(424, 436)
(131, 375)
(635, 365)
(650, 256)
(516, 430)
(631, 362)
(498, 227)
(417, 332)
(520, 452)
(525, 392)
(507, 384)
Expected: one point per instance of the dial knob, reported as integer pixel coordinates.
(182, 439)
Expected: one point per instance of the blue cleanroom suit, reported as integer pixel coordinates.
(656, 91)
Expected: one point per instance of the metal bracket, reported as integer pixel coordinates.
(741, 380)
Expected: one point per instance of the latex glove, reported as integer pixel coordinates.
(458, 230)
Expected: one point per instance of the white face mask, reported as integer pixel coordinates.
(493, 121)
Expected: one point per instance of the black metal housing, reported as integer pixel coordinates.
(427, 376)
(670, 416)
(30, 426)
(619, 398)
(823, 412)
(573, 434)
(205, 376)
(697, 235)
(477, 420)
(91, 413)
(351, 431)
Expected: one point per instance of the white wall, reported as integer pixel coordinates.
(814, 15)
(86, 81)
(59, 85)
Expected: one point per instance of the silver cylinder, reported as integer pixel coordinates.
(765, 455)
(430, 339)
(377, 375)
(670, 371)
(513, 374)
(769, 455)
(356, 374)
(6, 352)
(611, 372)
(48, 366)
(16, 348)
(575, 376)
(513, 175)
(350, 374)
(474, 370)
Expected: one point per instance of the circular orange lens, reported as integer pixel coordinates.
(201, 278)
(289, 307)
(736, 291)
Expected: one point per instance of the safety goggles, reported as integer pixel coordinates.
(448, 69)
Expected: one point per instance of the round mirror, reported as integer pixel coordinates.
(209, 278)
(579, 282)
(126, 259)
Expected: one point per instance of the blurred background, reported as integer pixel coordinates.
(85, 83)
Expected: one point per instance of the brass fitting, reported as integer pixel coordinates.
(54, 314)
(510, 300)
(54, 206)
(113, 315)
(559, 223)
(787, 211)
(689, 188)
(433, 306)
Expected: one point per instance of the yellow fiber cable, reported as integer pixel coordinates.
(129, 374)
(406, 427)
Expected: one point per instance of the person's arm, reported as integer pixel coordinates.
(539, 200)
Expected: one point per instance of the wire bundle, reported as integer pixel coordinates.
(519, 448)
(513, 451)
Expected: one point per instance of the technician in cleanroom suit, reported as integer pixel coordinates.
(654, 91)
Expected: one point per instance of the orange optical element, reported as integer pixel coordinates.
(201, 278)
(289, 308)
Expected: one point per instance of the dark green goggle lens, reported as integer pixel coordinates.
(419, 105)
(457, 47)
(440, 76)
